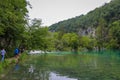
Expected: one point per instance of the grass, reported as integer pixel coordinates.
(10, 61)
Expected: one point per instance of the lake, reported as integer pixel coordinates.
(67, 66)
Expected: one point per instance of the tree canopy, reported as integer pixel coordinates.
(109, 12)
(12, 22)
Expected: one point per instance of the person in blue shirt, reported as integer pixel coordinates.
(16, 52)
(3, 52)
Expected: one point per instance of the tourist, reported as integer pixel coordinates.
(16, 52)
(3, 52)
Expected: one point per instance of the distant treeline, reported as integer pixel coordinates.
(101, 24)
(110, 12)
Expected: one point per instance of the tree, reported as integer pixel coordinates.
(101, 34)
(38, 35)
(71, 40)
(114, 35)
(58, 44)
(13, 15)
(87, 42)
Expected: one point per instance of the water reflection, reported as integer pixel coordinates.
(67, 67)
(31, 69)
(17, 67)
(54, 76)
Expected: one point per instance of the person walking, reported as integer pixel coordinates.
(16, 52)
(3, 52)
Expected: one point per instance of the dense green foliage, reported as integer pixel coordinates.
(38, 36)
(109, 11)
(12, 22)
(16, 30)
(114, 35)
(101, 26)
(72, 42)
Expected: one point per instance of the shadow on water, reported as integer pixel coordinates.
(68, 66)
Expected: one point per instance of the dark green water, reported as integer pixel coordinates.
(66, 67)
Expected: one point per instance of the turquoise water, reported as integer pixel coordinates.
(67, 66)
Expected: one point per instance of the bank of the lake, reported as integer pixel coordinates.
(8, 62)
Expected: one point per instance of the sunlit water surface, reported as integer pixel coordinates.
(66, 67)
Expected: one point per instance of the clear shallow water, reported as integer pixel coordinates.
(66, 67)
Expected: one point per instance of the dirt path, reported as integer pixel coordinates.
(12, 59)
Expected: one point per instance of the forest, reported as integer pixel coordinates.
(97, 30)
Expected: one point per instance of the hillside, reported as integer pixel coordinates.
(109, 12)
